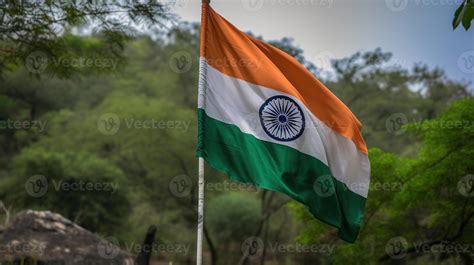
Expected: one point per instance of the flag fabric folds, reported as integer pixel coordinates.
(264, 119)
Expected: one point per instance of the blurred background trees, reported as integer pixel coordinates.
(418, 124)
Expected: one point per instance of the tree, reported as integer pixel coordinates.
(84, 188)
(426, 200)
(35, 32)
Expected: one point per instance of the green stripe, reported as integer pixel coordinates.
(283, 169)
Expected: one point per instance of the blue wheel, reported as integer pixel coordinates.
(282, 118)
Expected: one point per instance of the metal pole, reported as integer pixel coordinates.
(200, 212)
(202, 84)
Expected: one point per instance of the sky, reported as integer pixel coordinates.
(413, 30)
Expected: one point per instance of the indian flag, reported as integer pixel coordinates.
(264, 119)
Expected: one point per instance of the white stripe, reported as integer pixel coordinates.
(235, 101)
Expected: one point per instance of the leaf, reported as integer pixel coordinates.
(468, 15)
(459, 14)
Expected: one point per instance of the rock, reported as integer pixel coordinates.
(48, 238)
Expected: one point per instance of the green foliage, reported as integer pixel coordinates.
(464, 14)
(415, 170)
(81, 186)
(233, 215)
(422, 201)
(34, 31)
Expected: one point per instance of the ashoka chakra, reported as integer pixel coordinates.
(282, 118)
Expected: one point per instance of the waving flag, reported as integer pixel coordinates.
(264, 119)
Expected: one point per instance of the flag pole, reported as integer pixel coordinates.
(200, 212)
(202, 85)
